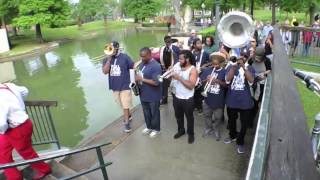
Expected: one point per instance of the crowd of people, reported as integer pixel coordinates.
(206, 77)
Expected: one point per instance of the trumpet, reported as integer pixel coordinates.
(208, 84)
(166, 75)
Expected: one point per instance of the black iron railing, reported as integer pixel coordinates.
(44, 131)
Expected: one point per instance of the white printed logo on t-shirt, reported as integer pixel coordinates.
(238, 82)
(115, 69)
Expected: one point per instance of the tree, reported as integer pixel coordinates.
(141, 9)
(53, 13)
(8, 10)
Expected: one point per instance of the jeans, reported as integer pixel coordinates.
(165, 87)
(244, 118)
(198, 98)
(184, 107)
(151, 114)
(306, 47)
(213, 117)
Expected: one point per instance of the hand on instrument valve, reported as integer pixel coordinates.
(241, 63)
(176, 76)
(139, 78)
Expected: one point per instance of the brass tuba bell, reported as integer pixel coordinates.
(235, 29)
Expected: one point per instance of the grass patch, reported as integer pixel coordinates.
(310, 102)
(266, 15)
(26, 40)
(306, 67)
(210, 31)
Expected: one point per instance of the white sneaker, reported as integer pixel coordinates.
(154, 134)
(146, 131)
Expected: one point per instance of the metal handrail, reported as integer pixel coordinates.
(257, 164)
(101, 166)
(44, 129)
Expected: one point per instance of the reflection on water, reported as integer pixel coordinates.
(70, 76)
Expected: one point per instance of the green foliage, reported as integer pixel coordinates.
(210, 31)
(141, 9)
(53, 13)
(154, 25)
(8, 9)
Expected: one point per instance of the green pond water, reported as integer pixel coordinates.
(71, 75)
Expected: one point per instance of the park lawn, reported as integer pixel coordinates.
(26, 40)
(209, 31)
(315, 60)
(266, 15)
(310, 102)
(306, 67)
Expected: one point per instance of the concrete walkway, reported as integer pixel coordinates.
(163, 158)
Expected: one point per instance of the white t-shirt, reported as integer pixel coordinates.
(12, 108)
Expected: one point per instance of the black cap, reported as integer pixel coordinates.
(115, 44)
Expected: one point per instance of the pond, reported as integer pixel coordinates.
(72, 76)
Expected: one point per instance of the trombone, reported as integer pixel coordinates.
(208, 84)
(166, 75)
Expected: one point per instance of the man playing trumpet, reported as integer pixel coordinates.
(184, 80)
(117, 65)
(214, 94)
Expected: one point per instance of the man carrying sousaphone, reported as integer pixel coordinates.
(117, 65)
(169, 55)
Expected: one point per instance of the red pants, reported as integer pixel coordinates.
(19, 138)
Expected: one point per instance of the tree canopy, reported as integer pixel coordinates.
(141, 9)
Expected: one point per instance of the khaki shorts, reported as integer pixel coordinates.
(123, 98)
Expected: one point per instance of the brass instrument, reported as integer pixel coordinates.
(208, 84)
(166, 75)
(108, 49)
(235, 29)
(133, 84)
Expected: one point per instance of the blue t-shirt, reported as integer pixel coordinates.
(119, 76)
(216, 93)
(238, 94)
(205, 57)
(149, 93)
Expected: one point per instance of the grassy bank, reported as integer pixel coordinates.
(26, 40)
(310, 102)
(266, 15)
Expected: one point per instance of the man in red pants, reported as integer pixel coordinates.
(16, 132)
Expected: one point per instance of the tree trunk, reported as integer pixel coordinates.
(311, 13)
(5, 27)
(39, 34)
(14, 30)
(244, 6)
(79, 21)
(251, 7)
(105, 19)
(273, 5)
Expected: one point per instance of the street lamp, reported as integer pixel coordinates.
(203, 6)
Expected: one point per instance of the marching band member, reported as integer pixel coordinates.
(117, 66)
(16, 131)
(169, 55)
(202, 61)
(214, 94)
(150, 92)
(184, 80)
(238, 100)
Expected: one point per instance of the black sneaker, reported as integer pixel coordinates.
(190, 139)
(178, 134)
(164, 101)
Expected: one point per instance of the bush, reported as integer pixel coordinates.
(210, 31)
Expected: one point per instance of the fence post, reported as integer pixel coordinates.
(315, 138)
(101, 162)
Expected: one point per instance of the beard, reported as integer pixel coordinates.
(184, 64)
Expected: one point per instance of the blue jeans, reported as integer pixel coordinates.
(151, 114)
